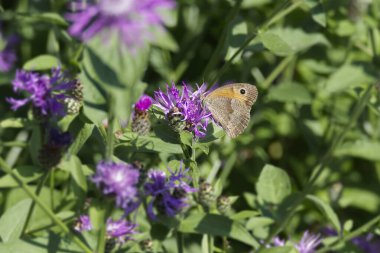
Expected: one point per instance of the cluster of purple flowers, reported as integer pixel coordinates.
(131, 20)
(121, 230)
(308, 243)
(169, 195)
(46, 93)
(184, 109)
(119, 180)
(8, 54)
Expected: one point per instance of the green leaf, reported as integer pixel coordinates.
(13, 220)
(360, 198)
(244, 215)
(74, 167)
(288, 41)
(42, 62)
(260, 226)
(27, 173)
(327, 211)
(286, 249)
(346, 77)
(81, 131)
(317, 11)
(290, 92)
(237, 34)
(131, 142)
(364, 149)
(276, 44)
(13, 123)
(164, 40)
(273, 184)
(114, 73)
(216, 225)
(50, 17)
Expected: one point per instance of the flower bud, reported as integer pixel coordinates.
(206, 195)
(223, 204)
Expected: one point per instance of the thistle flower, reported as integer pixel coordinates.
(131, 20)
(169, 195)
(140, 121)
(119, 180)
(121, 230)
(46, 93)
(183, 109)
(8, 54)
(51, 152)
(308, 243)
(83, 223)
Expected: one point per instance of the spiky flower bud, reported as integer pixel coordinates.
(223, 204)
(176, 120)
(51, 152)
(206, 195)
(140, 121)
(77, 91)
(110, 245)
(147, 245)
(72, 105)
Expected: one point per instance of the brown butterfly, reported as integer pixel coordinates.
(230, 106)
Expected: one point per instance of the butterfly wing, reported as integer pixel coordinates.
(230, 106)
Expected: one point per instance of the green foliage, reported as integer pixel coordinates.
(308, 160)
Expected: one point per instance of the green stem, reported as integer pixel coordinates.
(42, 205)
(276, 72)
(253, 35)
(215, 55)
(110, 129)
(31, 208)
(180, 242)
(52, 183)
(318, 170)
(350, 236)
(210, 242)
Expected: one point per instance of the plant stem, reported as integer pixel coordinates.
(215, 55)
(277, 71)
(180, 243)
(52, 183)
(110, 128)
(31, 208)
(210, 240)
(318, 170)
(42, 205)
(253, 35)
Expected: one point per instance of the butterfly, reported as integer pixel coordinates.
(230, 106)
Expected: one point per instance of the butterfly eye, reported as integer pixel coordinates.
(242, 91)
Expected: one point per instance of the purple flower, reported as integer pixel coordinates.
(169, 195)
(58, 139)
(8, 55)
(46, 93)
(131, 20)
(120, 230)
(83, 223)
(118, 179)
(184, 110)
(367, 243)
(308, 243)
(144, 103)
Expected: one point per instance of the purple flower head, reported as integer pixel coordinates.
(83, 223)
(308, 243)
(119, 180)
(46, 93)
(8, 54)
(368, 243)
(58, 139)
(144, 103)
(184, 109)
(131, 20)
(120, 230)
(169, 195)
